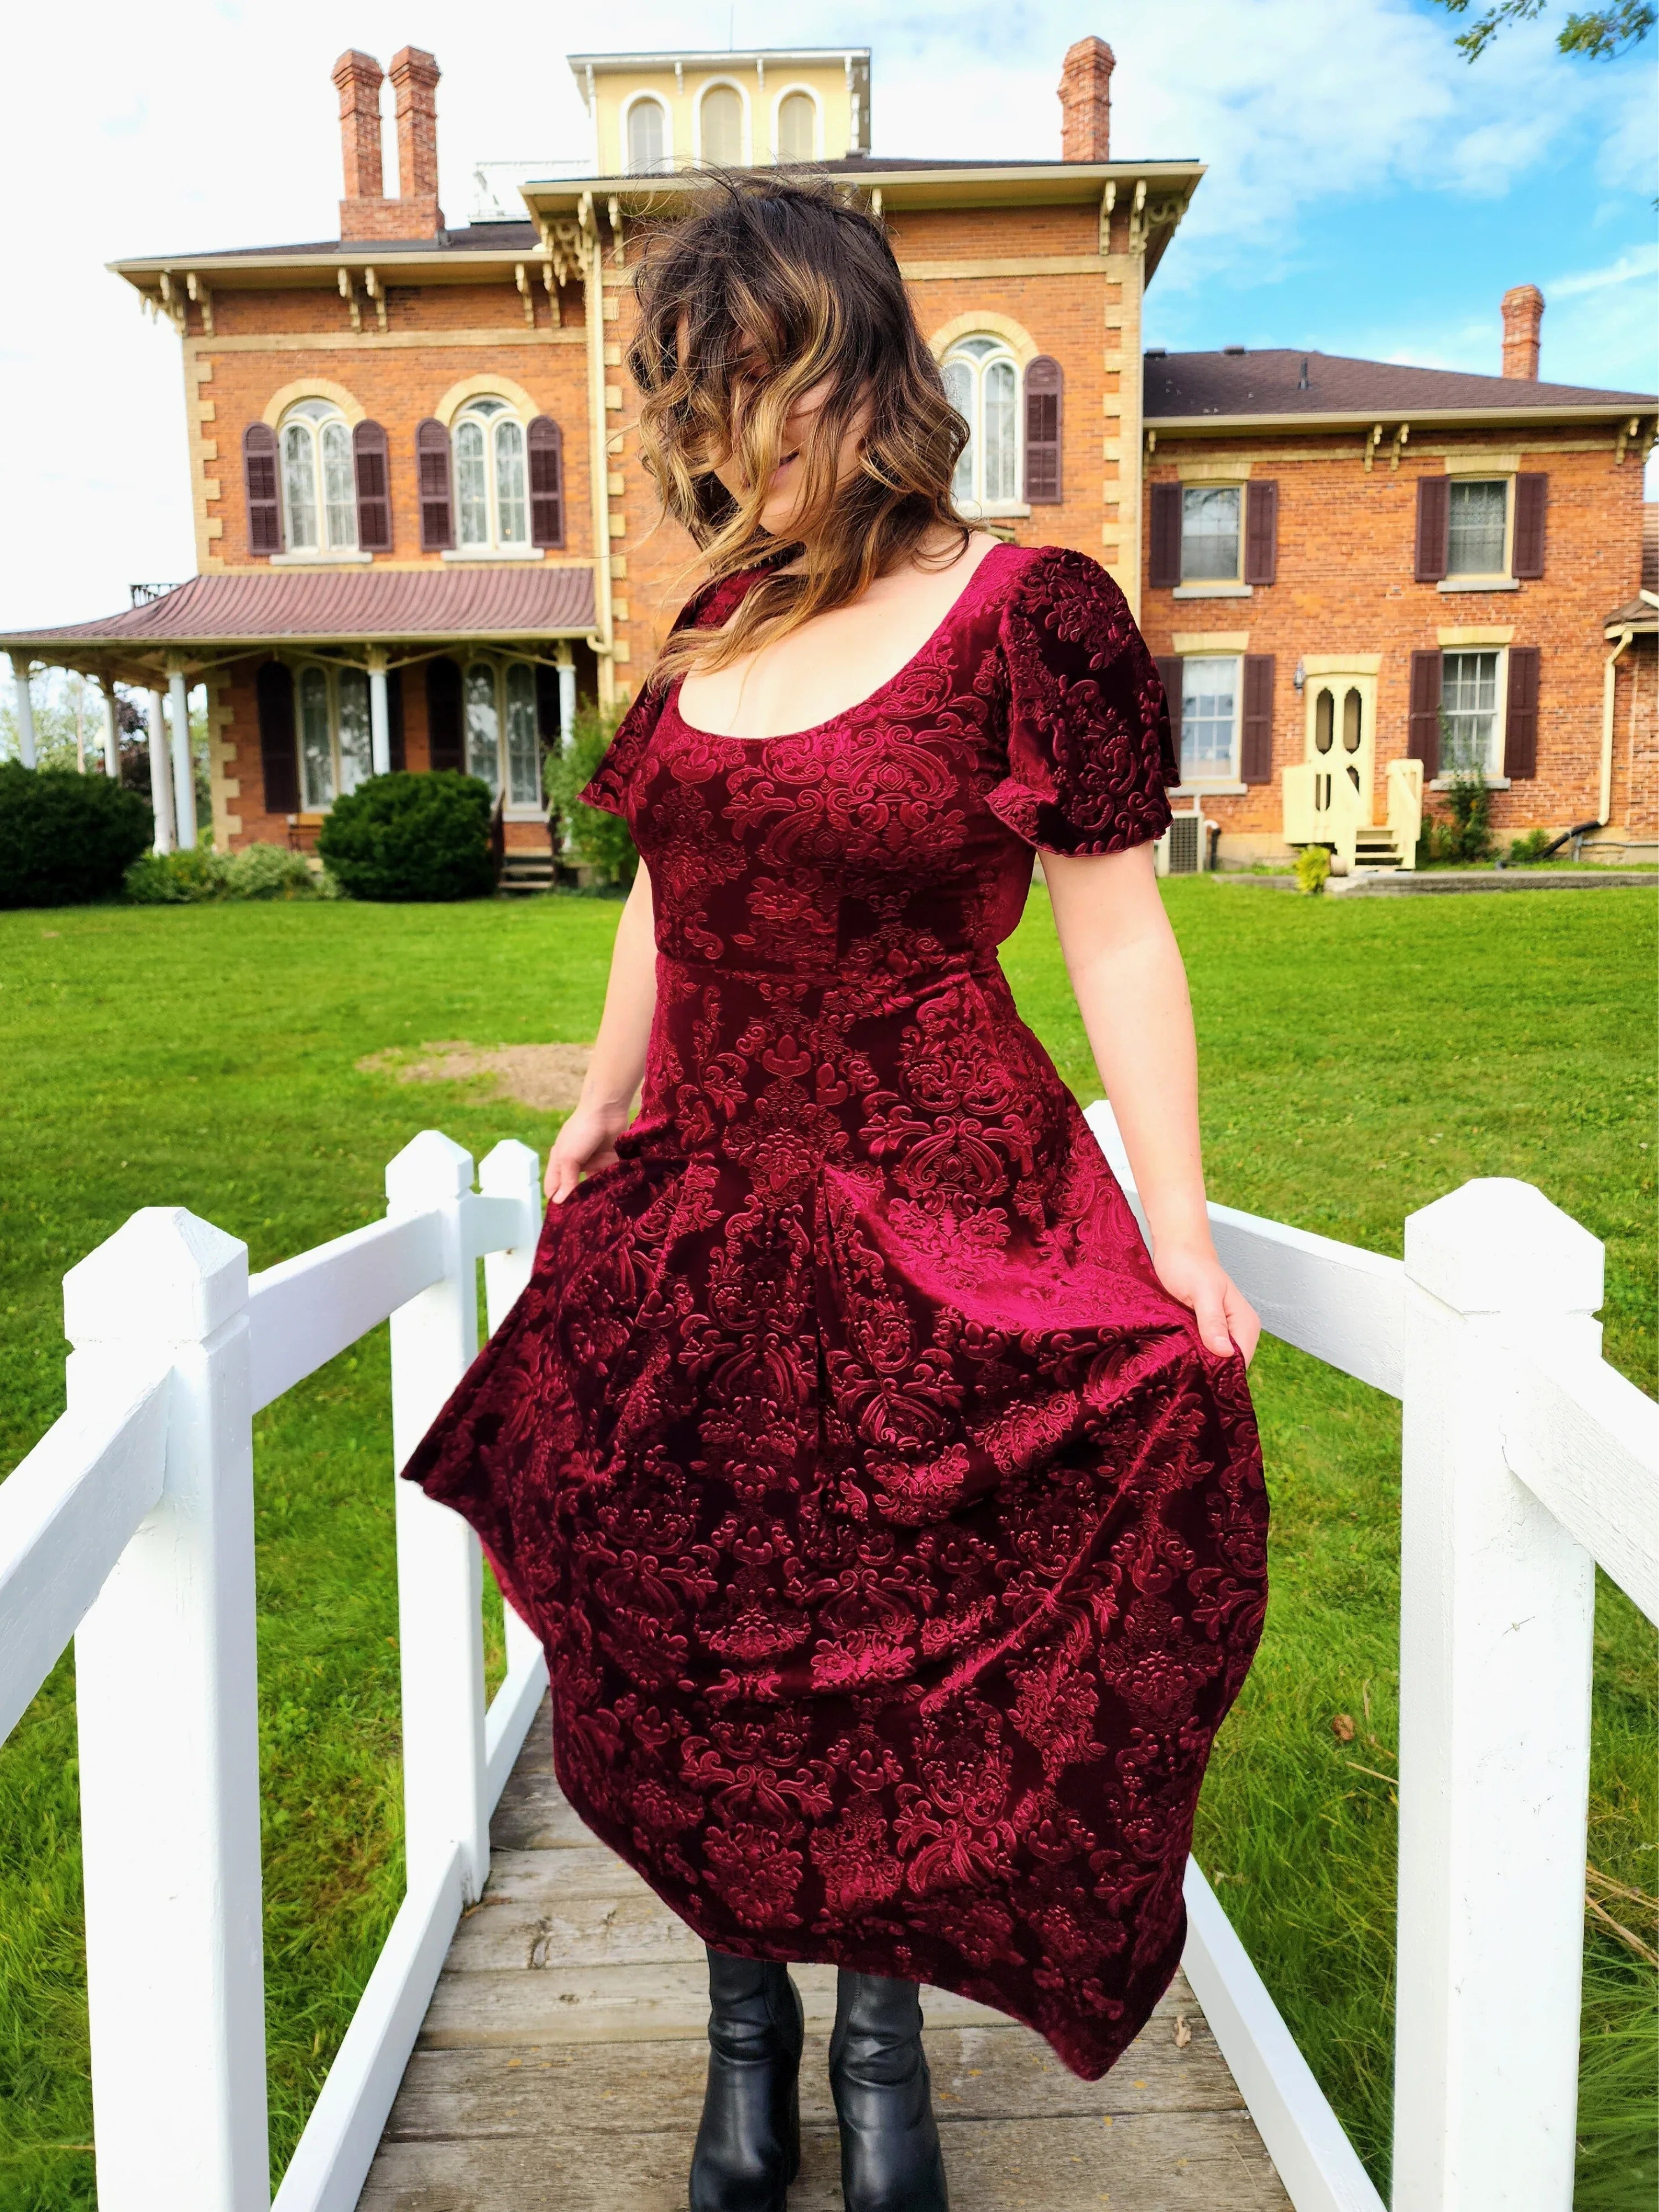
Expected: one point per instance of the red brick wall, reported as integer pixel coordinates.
(1346, 541)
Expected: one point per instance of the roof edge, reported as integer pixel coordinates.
(1609, 410)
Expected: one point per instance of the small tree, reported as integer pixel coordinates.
(416, 837)
(600, 840)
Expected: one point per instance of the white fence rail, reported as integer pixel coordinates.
(129, 1528)
(1526, 1461)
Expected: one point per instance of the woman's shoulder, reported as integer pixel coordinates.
(1061, 592)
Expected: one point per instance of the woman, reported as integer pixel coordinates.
(893, 1518)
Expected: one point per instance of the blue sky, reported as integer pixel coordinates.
(1368, 191)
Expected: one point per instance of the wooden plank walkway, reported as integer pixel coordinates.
(561, 2066)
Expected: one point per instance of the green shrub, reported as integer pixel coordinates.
(1524, 851)
(1313, 870)
(1465, 837)
(66, 838)
(179, 878)
(272, 872)
(415, 837)
(599, 840)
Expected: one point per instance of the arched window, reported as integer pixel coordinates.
(648, 138)
(491, 497)
(720, 118)
(337, 750)
(319, 485)
(981, 378)
(797, 120)
(503, 732)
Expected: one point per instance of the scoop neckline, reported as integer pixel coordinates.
(859, 706)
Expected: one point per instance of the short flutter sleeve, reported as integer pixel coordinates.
(1089, 754)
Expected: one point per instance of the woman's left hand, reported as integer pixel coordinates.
(1224, 1315)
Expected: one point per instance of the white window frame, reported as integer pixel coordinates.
(332, 672)
(965, 351)
(311, 416)
(657, 101)
(489, 411)
(791, 92)
(1198, 585)
(1497, 743)
(745, 129)
(499, 665)
(1503, 574)
(1221, 773)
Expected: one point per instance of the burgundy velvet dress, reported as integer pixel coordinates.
(898, 1546)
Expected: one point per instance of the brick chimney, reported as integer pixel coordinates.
(366, 212)
(1085, 102)
(1523, 312)
(415, 79)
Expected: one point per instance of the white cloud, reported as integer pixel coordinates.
(1642, 261)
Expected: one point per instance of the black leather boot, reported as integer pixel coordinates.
(749, 2142)
(891, 2160)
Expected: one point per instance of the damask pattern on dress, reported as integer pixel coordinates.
(896, 1545)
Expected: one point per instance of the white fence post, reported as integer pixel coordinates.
(1497, 1610)
(511, 1170)
(167, 1710)
(434, 1339)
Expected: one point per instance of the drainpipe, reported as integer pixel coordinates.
(20, 676)
(1609, 684)
(599, 445)
(184, 768)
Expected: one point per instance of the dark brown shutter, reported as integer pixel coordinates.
(1521, 717)
(432, 463)
(279, 755)
(1168, 669)
(1163, 568)
(546, 448)
(445, 731)
(1255, 751)
(1423, 739)
(1043, 384)
(1261, 534)
(264, 511)
(394, 717)
(1532, 499)
(371, 463)
(1433, 524)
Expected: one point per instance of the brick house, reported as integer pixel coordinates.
(422, 528)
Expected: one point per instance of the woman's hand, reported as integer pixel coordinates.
(586, 1142)
(1224, 1315)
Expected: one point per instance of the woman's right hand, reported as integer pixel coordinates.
(586, 1142)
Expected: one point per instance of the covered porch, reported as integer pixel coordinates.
(315, 682)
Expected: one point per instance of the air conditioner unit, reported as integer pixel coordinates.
(1184, 847)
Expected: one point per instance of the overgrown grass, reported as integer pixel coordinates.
(1361, 1059)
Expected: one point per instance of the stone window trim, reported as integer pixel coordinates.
(985, 378)
(663, 161)
(745, 155)
(793, 91)
(316, 477)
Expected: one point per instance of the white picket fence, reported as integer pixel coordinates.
(129, 1528)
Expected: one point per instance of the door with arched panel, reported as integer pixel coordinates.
(1340, 695)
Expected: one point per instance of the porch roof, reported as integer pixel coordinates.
(256, 607)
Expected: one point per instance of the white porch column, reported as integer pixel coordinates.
(183, 768)
(1496, 1616)
(567, 695)
(161, 774)
(20, 676)
(111, 735)
(379, 715)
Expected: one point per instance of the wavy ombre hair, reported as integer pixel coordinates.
(773, 289)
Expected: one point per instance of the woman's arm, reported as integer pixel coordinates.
(587, 1140)
(1131, 989)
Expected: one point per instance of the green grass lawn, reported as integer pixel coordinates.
(1361, 1058)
